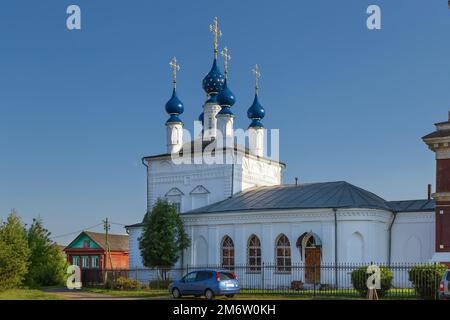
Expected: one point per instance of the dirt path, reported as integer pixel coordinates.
(83, 295)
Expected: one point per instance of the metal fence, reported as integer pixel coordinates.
(325, 279)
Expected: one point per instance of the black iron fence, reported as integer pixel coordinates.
(339, 280)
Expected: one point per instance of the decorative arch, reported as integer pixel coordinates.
(199, 196)
(200, 251)
(227, 252)
(283, 253)
(355, 248)
(308, 240)
(175, 197)
(254, 253)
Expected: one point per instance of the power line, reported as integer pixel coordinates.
(74, 232)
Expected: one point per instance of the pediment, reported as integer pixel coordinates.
(199, 190)
(174, 192)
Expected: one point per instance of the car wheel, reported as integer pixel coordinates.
(229, 295)
(209, 294)
(176, 293)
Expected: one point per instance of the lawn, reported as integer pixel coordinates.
(27, 294)
(129, 293)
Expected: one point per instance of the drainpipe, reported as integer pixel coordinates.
(390, 237)
(335, 248)
(232, 180)
(146, 165)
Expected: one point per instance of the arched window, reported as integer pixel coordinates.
(283, 254)
(227, 250)
(254, 253)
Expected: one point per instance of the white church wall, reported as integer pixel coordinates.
(134, 254)
(413, 237)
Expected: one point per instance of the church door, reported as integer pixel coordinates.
(312, 265)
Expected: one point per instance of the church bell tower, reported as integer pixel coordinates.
(439, 142)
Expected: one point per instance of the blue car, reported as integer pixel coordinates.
(208, 283)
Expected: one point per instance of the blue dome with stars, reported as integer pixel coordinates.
(226, 97)
(214, 80)
(256, 111)
(174, 105)
(226, 111)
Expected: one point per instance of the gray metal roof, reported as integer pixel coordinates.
(412, 205)
(339, 194)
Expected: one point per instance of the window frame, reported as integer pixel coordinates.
(254, 253)
(286, 254)
(227, 253)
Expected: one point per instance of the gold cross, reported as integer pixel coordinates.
(214, 28)
(226, 57)
(257, 74)
(175, 67)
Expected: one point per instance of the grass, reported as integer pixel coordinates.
(394, 294)
(27, 294)
(129, 293)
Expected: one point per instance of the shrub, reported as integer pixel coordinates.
(124, 283)
(360, 276)
(159, 284)
(426, 279)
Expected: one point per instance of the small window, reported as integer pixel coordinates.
(86, 244)
(190, 277)
(85, 262)
(76, 260)
(203, 275)
(95, 261)
(177, 206)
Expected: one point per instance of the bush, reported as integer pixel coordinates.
(124, 283)
(159, 284)
(426, 279)
(360, 276)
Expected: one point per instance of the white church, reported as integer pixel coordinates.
(241, 213)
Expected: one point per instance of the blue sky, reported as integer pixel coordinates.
(78, 109)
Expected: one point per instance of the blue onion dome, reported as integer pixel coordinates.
(174, 105)
(256, 123)
(174, 118)
(256, 111)
(201, 117)
(214, 80)
(226, 97)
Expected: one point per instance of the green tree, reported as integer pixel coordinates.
(47, 263)
(163, 237)
(14, 252)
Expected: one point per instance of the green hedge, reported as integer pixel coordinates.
(360, 276)
(426, 278)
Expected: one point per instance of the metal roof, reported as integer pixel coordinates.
(339, 194)
(412, 205)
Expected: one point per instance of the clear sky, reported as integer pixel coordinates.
(78, 109)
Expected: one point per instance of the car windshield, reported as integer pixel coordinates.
(226, 276)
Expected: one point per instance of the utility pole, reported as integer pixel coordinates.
(107, 227)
